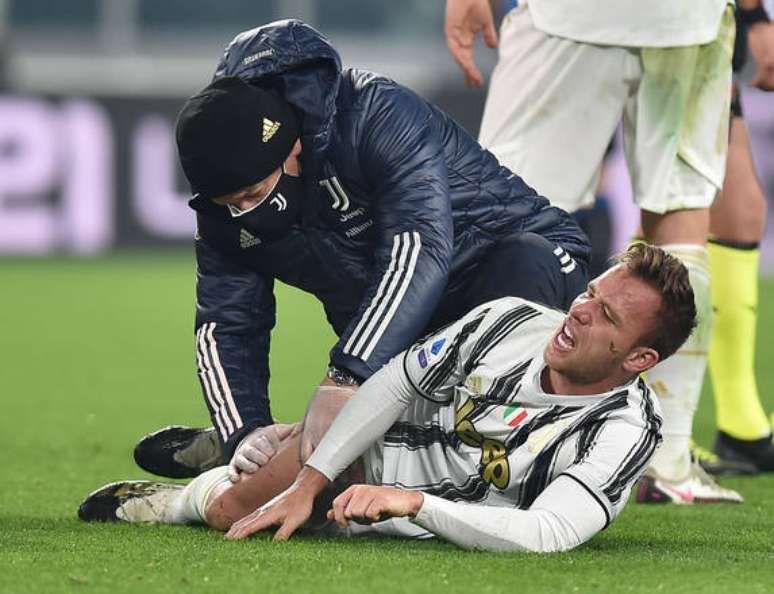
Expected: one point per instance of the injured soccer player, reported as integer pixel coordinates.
(516, 428)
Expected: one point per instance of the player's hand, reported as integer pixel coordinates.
(464, 20)
(760, 39)
(256, 449)
(288, 510)
(366, 504)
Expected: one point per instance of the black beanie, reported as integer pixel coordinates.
(232, 135)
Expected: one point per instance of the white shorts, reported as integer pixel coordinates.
(554, 104)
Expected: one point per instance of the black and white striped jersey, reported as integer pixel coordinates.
(485, 432)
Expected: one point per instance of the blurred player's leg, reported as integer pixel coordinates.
(678, 381)
(737, 225)
(673, 477)
(676, 174)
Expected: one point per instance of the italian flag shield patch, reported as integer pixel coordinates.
(514, 414)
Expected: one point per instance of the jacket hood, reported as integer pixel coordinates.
(299, 62)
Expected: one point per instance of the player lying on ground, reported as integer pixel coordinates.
(537, 418)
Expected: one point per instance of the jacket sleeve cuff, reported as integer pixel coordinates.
(230, 446)
(353, 365)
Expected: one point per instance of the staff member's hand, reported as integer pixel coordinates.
(257, 448)
(464, 20)
(366, 504)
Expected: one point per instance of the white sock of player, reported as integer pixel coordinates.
(188, 507)
(678, 380)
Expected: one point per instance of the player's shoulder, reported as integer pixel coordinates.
(536, 313)
(642, 408)
(509, 318)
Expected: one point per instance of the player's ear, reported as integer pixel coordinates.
(640, 358)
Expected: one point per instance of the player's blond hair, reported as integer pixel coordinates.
(664, 272)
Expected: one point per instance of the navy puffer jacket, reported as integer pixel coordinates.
(400, 201)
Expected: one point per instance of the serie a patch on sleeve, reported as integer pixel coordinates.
(425, 355)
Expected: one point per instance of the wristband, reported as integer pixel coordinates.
(753, 16)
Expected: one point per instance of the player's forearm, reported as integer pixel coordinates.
(365, 418)
(557, 521)
(487, 528)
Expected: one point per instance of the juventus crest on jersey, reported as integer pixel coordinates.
(486, 432)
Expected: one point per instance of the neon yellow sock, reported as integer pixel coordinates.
(738, 408)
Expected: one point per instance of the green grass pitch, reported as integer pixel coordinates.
(97, 352)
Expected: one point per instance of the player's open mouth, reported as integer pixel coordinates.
(564, 340)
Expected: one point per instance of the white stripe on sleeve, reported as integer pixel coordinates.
(383, 306)
(210, 384)
(396, 243)
(403, 287)
(223, 381)
(208, 391)
(391, 288)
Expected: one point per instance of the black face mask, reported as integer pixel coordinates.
(273, 217)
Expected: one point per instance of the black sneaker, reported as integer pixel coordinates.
(757, 454)
(717, 466)
(179, 452)
(129, 501)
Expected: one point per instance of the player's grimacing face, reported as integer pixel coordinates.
(603, 327)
